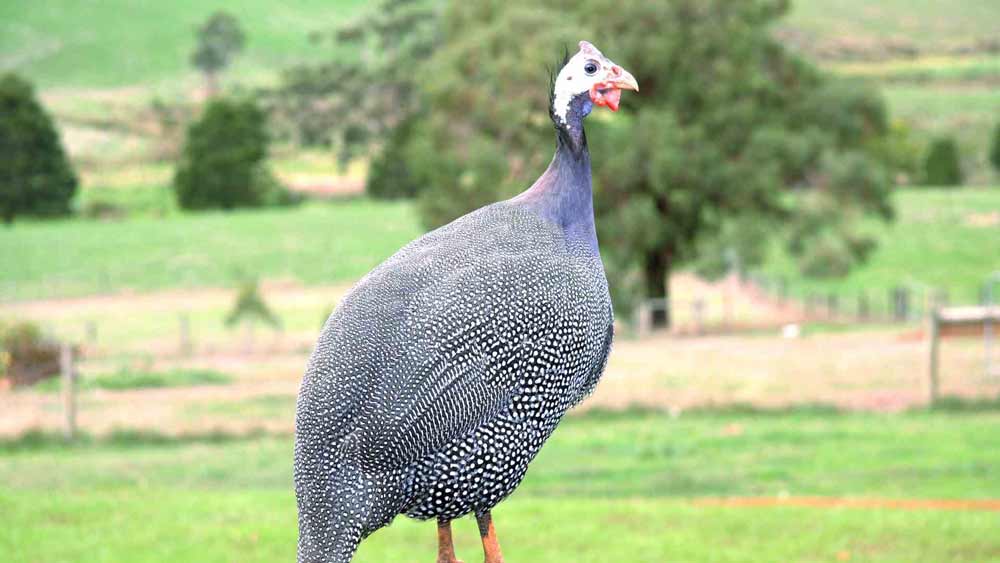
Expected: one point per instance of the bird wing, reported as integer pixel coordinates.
(442, 336)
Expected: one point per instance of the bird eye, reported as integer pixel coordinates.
(590, 67)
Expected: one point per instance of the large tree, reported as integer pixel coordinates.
(731, 141)
(36, 177)
(358, 97)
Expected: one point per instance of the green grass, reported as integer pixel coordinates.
(156, 201)
(264, 407)
(317, 243)
(937, 240)
(948, 68)
(122, 380)
(606, 486)
(122, 42)
(929, 24)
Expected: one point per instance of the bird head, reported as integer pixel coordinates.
(589, 76)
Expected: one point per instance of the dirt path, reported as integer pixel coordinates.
(280, 291)
(875, 370)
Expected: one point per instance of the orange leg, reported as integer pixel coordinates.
(491, 547)
(446, 549)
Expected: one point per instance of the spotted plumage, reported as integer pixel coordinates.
(441, 374)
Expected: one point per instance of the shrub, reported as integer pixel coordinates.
(389, 176)
(223, 160)
(220, 38)
(35, 176)
(250, 307)
(26, 356)
(899, 151)
(942, 166)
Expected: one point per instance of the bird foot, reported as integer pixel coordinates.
(449, 560)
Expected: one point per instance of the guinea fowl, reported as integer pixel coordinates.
(443, 371)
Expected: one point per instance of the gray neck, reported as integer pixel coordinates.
(563, 194)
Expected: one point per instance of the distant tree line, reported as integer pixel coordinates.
(732, 142)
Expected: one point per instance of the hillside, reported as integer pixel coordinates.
(113, 43)
(941, 238)
(872, 30)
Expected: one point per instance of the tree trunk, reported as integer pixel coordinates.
(657, 281)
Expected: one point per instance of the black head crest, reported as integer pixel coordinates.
(553, 74)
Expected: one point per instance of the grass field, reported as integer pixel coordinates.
(315, 243)
(623, 487)
(941, 238)
(122, 43)
(928, 24)
(71, 44)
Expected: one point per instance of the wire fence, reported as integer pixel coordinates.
(766, 302)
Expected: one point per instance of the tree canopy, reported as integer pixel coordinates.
(222, 164)
(220, 38)
(731, 142)
(942, 166)
(36, 177)
(358, 97)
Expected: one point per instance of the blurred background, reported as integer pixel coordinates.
(799, 214)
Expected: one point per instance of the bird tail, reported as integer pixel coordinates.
(333, 516)
(339, 509)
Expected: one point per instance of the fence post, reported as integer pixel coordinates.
(727, 309)
(91, 329)
(185, 328)
(932, 368)
(698, 310)
(68, 373)
(642, 318)
(863, 306)
(900, 304)
(941, 299)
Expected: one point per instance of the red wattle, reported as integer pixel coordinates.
(613, 97)
(606, 95)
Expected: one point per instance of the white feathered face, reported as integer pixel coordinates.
(589, 71)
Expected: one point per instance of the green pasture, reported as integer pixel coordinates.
(943, 68)
(318, 243)
(121, 42)
(941, 238)
(606, 487)
(929, 24)
(123, 379)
